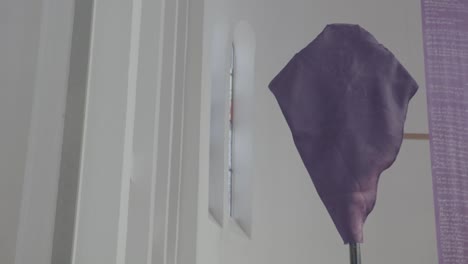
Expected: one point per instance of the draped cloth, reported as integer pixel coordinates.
(345, 99)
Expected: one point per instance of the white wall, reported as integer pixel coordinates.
(290, 224)
(20, 26)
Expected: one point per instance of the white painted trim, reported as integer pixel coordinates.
(37, 213)
(189, 196)
(142, 190)
(101, 227)
(108, 150)
(85, 119)
(72, 133)
(127, 170)
(176, 189)
(169, 134)
(152, 216)
(163, 135)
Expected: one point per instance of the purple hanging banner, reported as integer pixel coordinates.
(445, 27)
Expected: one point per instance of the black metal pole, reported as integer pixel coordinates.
(355, 253)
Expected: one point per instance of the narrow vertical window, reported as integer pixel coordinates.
(241, 126)
(219, 70)
(231, 129)
(231, 152)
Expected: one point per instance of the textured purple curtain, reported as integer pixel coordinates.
(445, 25)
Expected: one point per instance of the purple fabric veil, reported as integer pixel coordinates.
(345, 98)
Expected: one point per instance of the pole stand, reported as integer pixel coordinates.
(355, 253)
